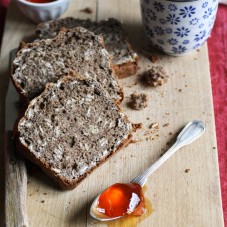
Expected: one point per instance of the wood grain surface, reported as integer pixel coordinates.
(16, 185)
(185, 191)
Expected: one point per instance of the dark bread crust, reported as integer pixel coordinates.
(122, 69)
(126, 69)
(64, 183)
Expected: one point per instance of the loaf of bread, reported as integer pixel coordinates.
(71, 128)
(78, 50)
(124, 59)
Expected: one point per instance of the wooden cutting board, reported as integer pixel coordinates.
(185, 191)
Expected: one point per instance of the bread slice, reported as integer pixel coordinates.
(47, 60)
(71, 128)
(124, 59)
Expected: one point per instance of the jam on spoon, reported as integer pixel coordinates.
(121, 199)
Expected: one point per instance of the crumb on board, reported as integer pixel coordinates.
(166, 125)
(136, 140)
(187, 170)
(138, 101)
(155, 76)
(154, 58)
(86, 10)
(132, 85)
(43, 201)
(154, 125)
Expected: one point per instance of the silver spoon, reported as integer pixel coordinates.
(190, 133)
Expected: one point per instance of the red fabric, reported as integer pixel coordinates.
(217, 45)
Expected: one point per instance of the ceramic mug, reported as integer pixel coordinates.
(178, 27)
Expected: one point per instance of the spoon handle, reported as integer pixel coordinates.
(190, 133)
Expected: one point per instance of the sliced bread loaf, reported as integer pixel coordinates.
(71, 128)
(47, 60)
(124, 59)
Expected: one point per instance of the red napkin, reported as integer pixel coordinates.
(217, 46)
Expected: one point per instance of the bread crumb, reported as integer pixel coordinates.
(43, 201)
(133, 141)
(154, 58)
(86, 10)
(155, 76)
(166, 125)
(154, 125)
(180, 90)
(187, 170)
(138, 101)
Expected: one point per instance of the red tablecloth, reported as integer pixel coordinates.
(217, 45)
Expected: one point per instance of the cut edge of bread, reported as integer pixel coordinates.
(24, 45)
(61, 181)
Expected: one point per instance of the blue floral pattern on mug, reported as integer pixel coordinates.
(173, 19)
(187, 11)
(178, 27)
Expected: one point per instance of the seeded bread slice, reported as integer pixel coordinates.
(47, 60)
(71, 128)
(124, 59)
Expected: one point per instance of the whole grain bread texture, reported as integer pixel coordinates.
(71, 128)
(78, 50)
(124, 59)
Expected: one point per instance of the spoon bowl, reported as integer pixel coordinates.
(192, 131)
(97, 215)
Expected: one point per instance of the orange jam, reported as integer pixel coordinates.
(40, 1)
(121, 199)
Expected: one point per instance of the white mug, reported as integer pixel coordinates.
(178, 27)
